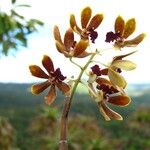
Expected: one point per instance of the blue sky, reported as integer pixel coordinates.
(14, 68)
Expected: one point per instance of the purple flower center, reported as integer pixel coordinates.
(111, 36)
(93, 35)
(58, 75)
(96, 70)
(118, 70)
(107, 89)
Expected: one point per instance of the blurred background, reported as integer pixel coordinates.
(26, 34)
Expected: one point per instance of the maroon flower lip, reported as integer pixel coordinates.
(111, 37)
(93, 35)
(96, 70)
(58, 75)
(107, 89)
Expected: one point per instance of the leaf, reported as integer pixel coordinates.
(5, 47)
(116, 79)
(23, 5)
(129, 28)
(21, 37)
(124, 64)
(2, 26)
(85, 16)
(14, 13)
(35, 21)
(119, 25)
(13, 1)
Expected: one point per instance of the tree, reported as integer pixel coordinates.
(14, 28)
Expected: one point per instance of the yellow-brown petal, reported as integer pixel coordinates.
(129, 28)
(122, 56)
(102, 111)
(57, 35)
(38, 88)
(74, 25)
(64, 88)
(92, 91)
(83, 55)
(108, 113)
(124, 64)
(120, 100)
(95, 22)
(104, 71)
(135, 41)
(69, 39)
(85, 16)
(37, 72)
(119, 25)
(51, 96)
(48, 64)
(116, 79)
(80, 47)
(92, 77)
(60, 47)
(100, 81)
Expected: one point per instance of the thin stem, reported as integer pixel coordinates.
(75, 63)
(100, 63)
(106, 49)
(68, 100)
(90, 88)
(80, 75)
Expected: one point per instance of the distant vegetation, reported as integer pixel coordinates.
(33, 123)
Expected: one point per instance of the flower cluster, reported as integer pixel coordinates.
(110, 90)
(106, 83)
(122, 31)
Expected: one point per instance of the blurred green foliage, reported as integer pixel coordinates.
(14, 29)
(7, 134)
(37, 126)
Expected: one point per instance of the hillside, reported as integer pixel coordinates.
(19, 94)
(23, 110)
